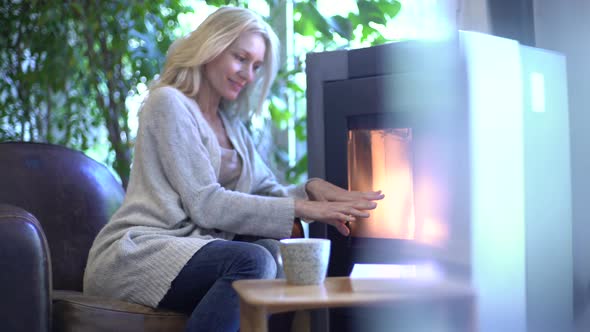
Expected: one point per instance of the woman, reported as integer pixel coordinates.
(197, 183)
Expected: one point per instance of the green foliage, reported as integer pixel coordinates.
(67, 67)
(325, 29)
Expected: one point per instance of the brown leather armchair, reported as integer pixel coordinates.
(53, 202)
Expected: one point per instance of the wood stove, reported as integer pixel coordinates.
(399, 127)
(395, 119)
(444, 129)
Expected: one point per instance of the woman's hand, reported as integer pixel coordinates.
(336, 214)
(320, 190)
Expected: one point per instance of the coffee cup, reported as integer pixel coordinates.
(305, 261)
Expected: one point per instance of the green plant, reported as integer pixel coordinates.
(67, 68)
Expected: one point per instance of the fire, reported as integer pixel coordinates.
(383, 160)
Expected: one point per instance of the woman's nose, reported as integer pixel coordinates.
(247, 73)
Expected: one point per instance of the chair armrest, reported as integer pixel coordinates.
(25, 280)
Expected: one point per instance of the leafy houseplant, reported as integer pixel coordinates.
(67, 68)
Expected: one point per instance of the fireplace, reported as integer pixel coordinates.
(379, 138)
(445, 129)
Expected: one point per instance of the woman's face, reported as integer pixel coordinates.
(235, 67)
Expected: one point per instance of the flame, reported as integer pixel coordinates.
(383, 160)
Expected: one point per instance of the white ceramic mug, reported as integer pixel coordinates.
(305, 261)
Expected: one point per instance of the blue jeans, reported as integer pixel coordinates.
(203, 288)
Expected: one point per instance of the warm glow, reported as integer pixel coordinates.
(433, 232)
(383, 160)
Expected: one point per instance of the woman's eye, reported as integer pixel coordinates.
(240, 58)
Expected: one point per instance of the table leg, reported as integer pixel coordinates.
(253, 318)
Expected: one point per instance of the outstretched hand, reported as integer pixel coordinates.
(336, 214)
(320, 190)
(335, 206)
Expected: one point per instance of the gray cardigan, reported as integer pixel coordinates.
(174, 203)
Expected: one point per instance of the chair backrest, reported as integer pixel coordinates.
(70, 194)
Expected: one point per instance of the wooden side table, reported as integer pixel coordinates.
(260, 298)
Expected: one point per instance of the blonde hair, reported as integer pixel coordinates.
(187, 55)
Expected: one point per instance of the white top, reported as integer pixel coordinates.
(230, 168)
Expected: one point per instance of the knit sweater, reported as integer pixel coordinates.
(174, 204)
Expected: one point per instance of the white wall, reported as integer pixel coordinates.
(564, 26)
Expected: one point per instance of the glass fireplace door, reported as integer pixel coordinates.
(384, 159)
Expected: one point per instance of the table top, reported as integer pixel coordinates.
(345, 291)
